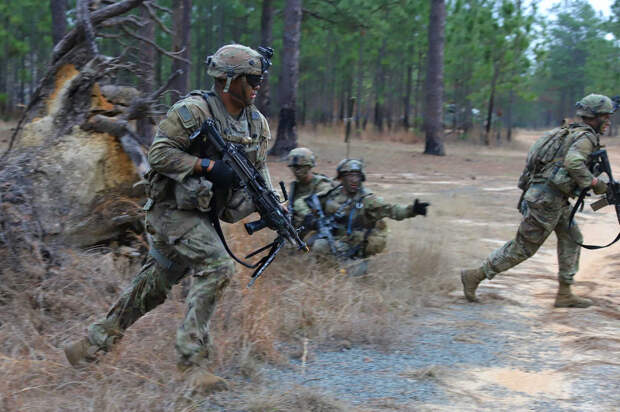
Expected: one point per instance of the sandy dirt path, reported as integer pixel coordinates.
(512, 351)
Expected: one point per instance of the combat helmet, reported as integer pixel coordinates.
(233, 60)
(301, 156)
(593, 105)
(349, 166)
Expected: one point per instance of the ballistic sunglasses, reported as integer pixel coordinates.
(254, 79)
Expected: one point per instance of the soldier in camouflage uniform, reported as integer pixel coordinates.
(547, 209)
(360, 229)
(301, 161)
(188, 187)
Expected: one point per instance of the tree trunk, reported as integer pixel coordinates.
(146, 82)
(380, 89)
(59, 19)
(289, 77)
(418, 85)
(486, 139)
(359, 80)
(266, 36)
(181, 41)
(434, 80)
(509, 115)
(407, 98)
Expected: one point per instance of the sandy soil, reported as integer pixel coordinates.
(511, 351)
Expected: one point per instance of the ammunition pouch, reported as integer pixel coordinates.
(238, 206)
(157, 186)
(193, 193)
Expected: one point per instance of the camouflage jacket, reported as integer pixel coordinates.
(319, 185)
(573, 171)
(173, 156)
(361, 212)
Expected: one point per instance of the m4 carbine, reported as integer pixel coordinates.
(612, 197)
(600, 164)
(266, 202)
(324, 224)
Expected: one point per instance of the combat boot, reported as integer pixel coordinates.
(566, 299)
(471, 278)
(200, 380)
(80, 352)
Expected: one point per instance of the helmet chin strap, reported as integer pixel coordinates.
(228, 81)
(232, 94)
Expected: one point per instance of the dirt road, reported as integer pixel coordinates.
(512, 351)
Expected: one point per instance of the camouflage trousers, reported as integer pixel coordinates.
(199, 251)
(547, 211)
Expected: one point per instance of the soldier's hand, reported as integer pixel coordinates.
(599, 184)
(419, 208)
(220, 174)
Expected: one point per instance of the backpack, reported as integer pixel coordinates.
(543, 154)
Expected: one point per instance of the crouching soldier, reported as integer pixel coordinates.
(301, 161)
(356, 216)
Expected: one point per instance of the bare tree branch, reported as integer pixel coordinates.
(83, 17)
(140, 106)
(173, 55)
(117, 21)
(149, 7)
(159, 7)
(75, 35)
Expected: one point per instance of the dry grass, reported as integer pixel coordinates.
(296, 399)
(45, 304)
(42, 310)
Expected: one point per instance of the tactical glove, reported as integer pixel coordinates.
(419, 208)
(221, 175)
(600, 186)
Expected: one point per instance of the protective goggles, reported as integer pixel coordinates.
(254, 80)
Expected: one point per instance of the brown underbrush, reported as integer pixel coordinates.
(45, 304)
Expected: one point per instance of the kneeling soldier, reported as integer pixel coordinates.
(356, 215)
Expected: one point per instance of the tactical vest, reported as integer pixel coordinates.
(545, 159)
(193, 110)
(215, 110)
(348, 215)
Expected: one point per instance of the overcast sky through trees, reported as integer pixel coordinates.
(598, 5)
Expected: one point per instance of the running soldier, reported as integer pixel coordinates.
(545, 205)
(188, 187)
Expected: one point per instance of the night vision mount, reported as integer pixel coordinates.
(267, 54)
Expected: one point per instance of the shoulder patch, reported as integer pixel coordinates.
(186, 116)
(255, 115)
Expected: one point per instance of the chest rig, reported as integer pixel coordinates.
(245, 132)
(348, 213)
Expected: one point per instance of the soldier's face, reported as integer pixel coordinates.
(243, 93)
(302, 173)
(604, 121)
(351, 182)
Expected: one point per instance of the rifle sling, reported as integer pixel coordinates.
(578, 204)
(215, 220)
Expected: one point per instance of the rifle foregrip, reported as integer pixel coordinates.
(255, 226)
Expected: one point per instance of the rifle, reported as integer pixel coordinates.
(267, 203)
(600, 164)
(324, 224)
